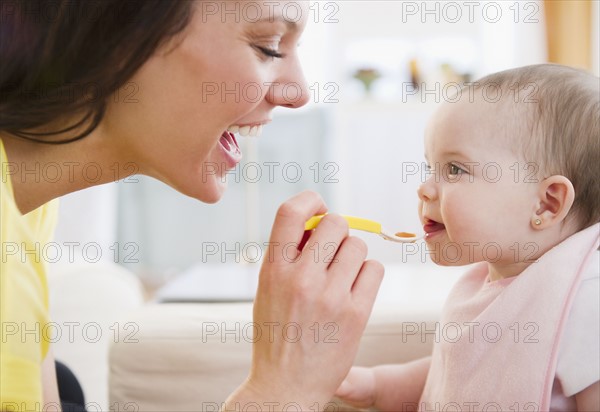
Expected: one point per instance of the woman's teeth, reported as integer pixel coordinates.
(246, 130)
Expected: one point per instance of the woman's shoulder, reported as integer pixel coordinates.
(37, 225)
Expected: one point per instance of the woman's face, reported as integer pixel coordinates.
(232, 65)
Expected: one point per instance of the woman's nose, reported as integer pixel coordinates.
(290, 88)
(427, 191)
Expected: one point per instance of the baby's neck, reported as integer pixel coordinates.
(498, 272)
(543, 242)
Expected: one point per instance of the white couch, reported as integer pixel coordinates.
(190, 356)
(88, 305)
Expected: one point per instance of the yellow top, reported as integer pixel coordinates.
(23, 295)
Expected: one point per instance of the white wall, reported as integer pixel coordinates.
(87, 225)
(378, 141)
(340, 37)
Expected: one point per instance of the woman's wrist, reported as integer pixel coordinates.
(251, 396)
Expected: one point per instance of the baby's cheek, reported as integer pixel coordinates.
(462, 216)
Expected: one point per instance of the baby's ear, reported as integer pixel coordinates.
(556, 196)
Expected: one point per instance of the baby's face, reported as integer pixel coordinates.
(477, 203)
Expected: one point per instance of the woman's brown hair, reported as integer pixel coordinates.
(64, 58)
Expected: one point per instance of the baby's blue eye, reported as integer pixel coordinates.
(455, 170)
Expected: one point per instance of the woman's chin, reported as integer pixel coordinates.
(212, 193)
(210, 199)
(209, 192)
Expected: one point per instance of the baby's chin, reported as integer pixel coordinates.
(442, 262)
(442, 257)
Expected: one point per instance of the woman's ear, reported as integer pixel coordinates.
(556, 196)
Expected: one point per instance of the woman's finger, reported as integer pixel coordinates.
(367, 284)
(288, 228)
(347, 263)
(305, 237)
(325, 241)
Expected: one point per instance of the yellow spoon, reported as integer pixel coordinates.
(366, 225)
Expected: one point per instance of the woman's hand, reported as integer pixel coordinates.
(311, 309)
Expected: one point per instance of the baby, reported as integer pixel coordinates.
(514, 184)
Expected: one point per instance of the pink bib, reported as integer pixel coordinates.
(498, 342)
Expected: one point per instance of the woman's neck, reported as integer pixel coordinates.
(42, 172)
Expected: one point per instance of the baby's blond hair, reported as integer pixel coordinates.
(562, 115)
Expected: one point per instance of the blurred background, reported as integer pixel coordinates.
(376, 71)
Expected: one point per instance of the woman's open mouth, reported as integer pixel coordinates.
(254, 130)
(229, 144)
(230, 148)
(432, 228)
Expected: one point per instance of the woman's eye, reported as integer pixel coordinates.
(269, 52)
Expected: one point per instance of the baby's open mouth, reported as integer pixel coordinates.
(431, 226)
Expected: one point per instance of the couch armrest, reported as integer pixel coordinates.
(87, 304)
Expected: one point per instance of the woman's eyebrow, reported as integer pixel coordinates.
(291, 25)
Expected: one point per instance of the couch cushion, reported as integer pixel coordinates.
(191, 356)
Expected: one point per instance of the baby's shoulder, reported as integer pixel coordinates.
(586, 306)
(592, 269)
(579, 357)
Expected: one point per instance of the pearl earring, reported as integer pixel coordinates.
(537, 222)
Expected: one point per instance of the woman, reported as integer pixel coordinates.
(152, 87)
